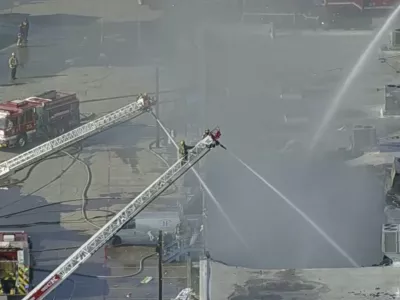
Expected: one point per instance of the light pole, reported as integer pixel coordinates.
(157, 106)
(159, 250)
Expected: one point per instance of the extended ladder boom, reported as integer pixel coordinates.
(119, 220)
(25, 159)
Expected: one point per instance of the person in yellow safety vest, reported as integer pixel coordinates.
(8, 283)
(9, 276)
(183, 152)
(13, 64)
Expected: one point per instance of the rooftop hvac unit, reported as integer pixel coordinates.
(364, 138)
(390, 241)
(395, 38)
(390, 144)
(392, 99)
(392, 214)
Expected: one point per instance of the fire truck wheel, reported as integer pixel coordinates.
(21, 141)
(116, 241)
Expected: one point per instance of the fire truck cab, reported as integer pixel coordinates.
(40, 117)
(15, 264)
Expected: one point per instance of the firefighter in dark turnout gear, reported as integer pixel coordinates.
(24, 28)
(206, 133)
(26, 25)
(23, 32)
(13, 64)
(146, 100)
(183, 152)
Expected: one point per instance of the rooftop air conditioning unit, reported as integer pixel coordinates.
(390, 241)
(392, 99)
(395, 39)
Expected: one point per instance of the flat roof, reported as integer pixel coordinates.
(358, 283)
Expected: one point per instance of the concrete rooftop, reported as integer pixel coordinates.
(233, 283)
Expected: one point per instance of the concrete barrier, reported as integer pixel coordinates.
(204, 277)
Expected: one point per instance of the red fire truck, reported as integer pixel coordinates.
(16, 264)
(40, 117)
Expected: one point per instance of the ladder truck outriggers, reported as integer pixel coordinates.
(101, 237)
(126, 113)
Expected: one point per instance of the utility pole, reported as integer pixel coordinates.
(185, 112)
(139, 33)
(189, 270)
(159, 250)
(207, 254)
(101, 31)
(206, 71)
(158, 106)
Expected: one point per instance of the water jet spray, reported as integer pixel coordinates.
(207, 189)
(351, 77)
(300, 212)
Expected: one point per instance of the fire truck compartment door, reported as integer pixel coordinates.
(40, 116)
(20, 255)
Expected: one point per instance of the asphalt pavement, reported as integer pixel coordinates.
(76, 53)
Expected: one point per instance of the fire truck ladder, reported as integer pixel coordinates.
(25, 159)
(100, 238)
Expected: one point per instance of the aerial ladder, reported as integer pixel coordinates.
(100, 238)
(130, 111)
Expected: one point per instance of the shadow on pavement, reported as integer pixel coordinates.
(41, 220)
(12, 19)
(59, 42)
(42, 46)
(44, 76)
(82, 284)
(10, 4)
(12, 84)
(62, 20)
